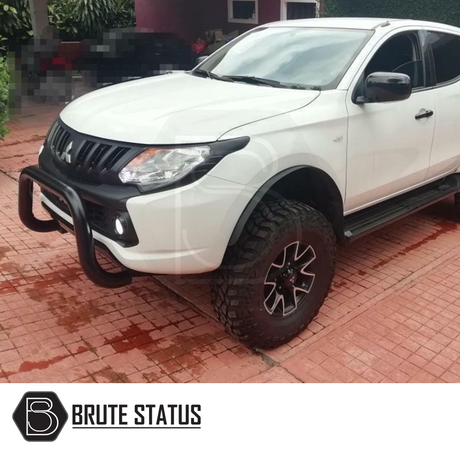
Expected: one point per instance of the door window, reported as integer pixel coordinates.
(400, 54)
(446, 54)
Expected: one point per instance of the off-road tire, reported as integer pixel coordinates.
(237, 292)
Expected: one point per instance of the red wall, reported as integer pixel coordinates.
(176, 16)
(191, 18)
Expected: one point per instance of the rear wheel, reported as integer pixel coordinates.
(275, 278)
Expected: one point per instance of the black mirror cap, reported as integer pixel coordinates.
(200, 59)
(386, 87)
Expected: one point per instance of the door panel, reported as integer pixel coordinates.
(445, 155)
(388, 148)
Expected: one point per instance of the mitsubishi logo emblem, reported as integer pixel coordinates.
(65, 155)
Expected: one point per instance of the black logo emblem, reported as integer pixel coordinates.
(40, 416)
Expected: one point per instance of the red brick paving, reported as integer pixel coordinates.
(393, 314)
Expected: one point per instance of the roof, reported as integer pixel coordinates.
(352, 23)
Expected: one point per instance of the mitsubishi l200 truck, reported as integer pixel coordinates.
(292, 138)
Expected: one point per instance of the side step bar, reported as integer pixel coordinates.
(368, 220)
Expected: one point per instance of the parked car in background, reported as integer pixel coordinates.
(43, 71)
(291, 138)
(123, 54)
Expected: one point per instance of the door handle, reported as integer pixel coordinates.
(424, 114)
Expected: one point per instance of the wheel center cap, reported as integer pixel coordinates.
(290, 279)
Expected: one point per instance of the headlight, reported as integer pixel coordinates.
(160, 165)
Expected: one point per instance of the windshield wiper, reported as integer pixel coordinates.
(213, 76)
(256, 80)
(265, 81)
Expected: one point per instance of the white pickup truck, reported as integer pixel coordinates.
(293, 137)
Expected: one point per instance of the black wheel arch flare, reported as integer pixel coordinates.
(307, 184)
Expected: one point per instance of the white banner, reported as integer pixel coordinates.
(218, 421)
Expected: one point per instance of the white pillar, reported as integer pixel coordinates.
(39, 15)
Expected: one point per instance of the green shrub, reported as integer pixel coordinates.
(447, 11)
(123, 14)
(92, 16)
(61, 15)
(15, 19)
(74, 19)
(78, 19)
(4, 88)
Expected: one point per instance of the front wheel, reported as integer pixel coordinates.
(274, 280)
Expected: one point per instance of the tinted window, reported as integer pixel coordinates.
(301, 10)
(244, 10)
(400, 54)
(446, 53)
(316, 57)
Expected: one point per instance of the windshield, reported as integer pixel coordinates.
(314, 57)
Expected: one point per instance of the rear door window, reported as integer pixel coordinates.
(446, 54)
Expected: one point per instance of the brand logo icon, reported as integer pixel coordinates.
(40, 416)
(66, 154)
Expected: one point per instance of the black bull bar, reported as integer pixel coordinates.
(81, 228)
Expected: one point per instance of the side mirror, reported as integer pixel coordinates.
(386, 87)
(200, 59)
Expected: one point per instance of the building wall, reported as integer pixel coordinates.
(191, 18)
(176, 16)
(217, 13)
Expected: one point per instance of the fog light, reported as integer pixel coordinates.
(120, 225)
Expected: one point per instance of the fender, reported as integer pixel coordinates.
(335, 216)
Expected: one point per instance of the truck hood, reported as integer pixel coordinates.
(178, 109)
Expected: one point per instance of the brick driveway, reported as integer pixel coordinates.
(393, 314)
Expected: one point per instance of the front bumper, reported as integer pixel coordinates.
(83, 233)
(180, 231)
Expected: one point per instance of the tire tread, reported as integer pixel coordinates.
(230, 299)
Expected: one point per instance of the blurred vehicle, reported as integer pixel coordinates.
(43, 71)
(124, 54)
